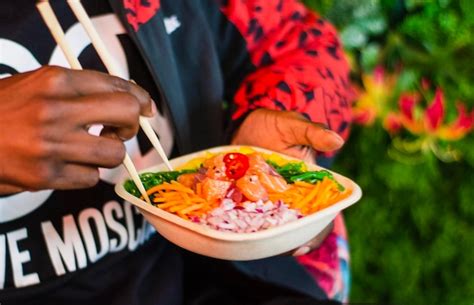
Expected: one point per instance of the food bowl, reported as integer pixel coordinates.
(206, 241)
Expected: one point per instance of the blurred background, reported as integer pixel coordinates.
(411, 148)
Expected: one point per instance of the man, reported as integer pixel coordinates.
(254, 72)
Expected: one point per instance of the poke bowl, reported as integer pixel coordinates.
(240, 202)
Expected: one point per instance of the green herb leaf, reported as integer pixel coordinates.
(293, 172)
(149, 180)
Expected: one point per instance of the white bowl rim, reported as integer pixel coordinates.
(232, 236)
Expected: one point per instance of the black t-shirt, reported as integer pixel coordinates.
(84, 244)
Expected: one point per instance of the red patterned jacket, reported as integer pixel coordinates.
(229, 57)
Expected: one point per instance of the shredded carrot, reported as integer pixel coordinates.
(308, 198)
(199, 189)
(304, 184)
(192, 208)
(177, 208)
(159, 199)
(173, 186)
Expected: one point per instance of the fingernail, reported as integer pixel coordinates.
(152, 110)
(339, 141)
(302, 251)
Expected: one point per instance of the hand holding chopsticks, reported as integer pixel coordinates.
(58, 34)
(47, 114)
(113, 69)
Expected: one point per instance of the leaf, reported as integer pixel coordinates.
(353, 37)
(408, 80)
(369, 56)
(149, 180)
(373, 25)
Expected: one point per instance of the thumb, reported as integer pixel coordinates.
(315, 135)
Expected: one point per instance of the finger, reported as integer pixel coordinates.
(72, 83)
(304, 132)
(110, 84)
(315, 242)
(75, 176)
(109, 132)
(86, 149)
(7, 189)
(304, 153)
(119, 110)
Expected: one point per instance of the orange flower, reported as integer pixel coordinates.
(429, 121)
(407, 104)
(392, 122)
(372, 100)
(434, 114)
(460, 127)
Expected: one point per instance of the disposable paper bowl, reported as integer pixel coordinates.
(238, 246)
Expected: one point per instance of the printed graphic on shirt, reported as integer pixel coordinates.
(49, 233)
(72, 245)
(139, 11)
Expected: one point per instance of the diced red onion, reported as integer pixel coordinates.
(249, 217)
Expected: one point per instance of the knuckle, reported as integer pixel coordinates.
(92, 177)
(45, 175)
(53, 77)
(112, 152)
(41, 148)
(119, 84)
(132, 104)
(118, 153)
(78, 177)
(135, 112)
(128, 133)
(146, 98)
(47, 111)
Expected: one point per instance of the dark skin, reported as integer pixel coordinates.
(46, 114)
(45, 117)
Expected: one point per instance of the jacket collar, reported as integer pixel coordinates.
(154, 45)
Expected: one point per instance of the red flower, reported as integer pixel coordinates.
(407, 105)
(364, 116)
(434, 114)
(392, 123)
(461, 126)
(429, 121)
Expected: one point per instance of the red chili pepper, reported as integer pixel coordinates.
(236, 165)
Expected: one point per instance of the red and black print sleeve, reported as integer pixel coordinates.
(298, 63)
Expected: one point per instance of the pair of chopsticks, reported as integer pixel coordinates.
(56, 30)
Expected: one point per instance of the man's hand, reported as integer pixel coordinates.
(292, 134)
(44, 121)
(286, 132)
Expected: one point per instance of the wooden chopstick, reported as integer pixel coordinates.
(113, 69)
(54, 27)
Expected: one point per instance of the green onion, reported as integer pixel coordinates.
(149, 180)
(293, 171)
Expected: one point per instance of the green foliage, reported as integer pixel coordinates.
(412, 234)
